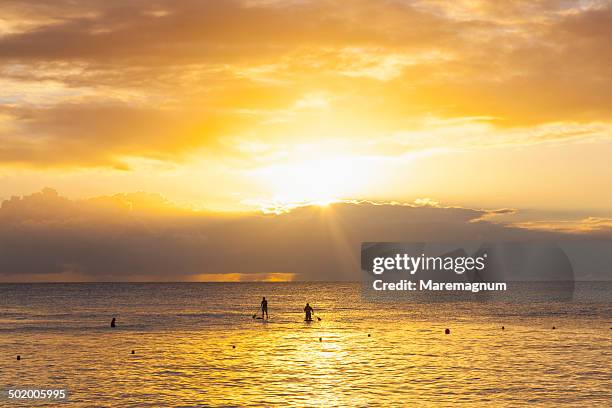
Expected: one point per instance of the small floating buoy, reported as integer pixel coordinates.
(503, 328)
(554, 327)
(447, 331)
(133, 352)
(320, 338)
(369, 335)
(233, 346)
(18, 358)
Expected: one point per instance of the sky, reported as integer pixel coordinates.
(249, 113)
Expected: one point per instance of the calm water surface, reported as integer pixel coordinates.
(183, 337)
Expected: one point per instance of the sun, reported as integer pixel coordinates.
(318, 182)
(325, 203)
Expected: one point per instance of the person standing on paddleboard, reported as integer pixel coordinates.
(264, 307)
(308, 310)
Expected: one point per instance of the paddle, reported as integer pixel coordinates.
(256, 313)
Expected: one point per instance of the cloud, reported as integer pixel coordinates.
(144, 237)
(91, 83)
(492, 215)
(592, 226)
(99, 134)
(193, 30)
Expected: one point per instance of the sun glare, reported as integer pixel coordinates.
(317, 182)
(325, 203)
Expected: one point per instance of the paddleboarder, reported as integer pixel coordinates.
(308, 310)
(264, 307)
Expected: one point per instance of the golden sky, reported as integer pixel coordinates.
(235, 105)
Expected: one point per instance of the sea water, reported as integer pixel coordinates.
(197, 344)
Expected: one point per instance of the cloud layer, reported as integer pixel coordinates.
(95, 83)
(45, 236)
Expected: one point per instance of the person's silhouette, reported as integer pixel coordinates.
(264, 307)
(113, 322)
(308, 310)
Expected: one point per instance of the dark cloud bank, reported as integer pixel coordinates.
(142, 237)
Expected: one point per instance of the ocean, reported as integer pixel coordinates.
(197, 344)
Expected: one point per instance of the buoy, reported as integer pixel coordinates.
(554, 327)
(233, 346)
(369, 335)
(18, 358)
(133, 352)
(447, 331)
(320, 338)
(503, 328)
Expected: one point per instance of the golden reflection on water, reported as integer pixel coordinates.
(398, 365)
(225, 359)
